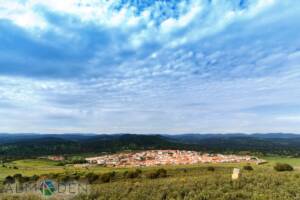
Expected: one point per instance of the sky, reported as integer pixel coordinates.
(146, 66)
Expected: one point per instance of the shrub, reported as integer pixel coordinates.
(125, 174)
(132, 174)
(211, 169)
(113, 173)
(152, 175)
(20, 178)
(17, 176)
(77, 160)
(61, 164)
(9, 180)
(280, 167)
(91, 177)
(25, 179)
(248, 167)
(105, 178)
(160, 173)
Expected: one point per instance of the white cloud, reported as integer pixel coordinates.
(289, 118)
(21, 14)
(203, 17)
(113, 69)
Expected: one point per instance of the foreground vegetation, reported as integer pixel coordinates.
(203, 182)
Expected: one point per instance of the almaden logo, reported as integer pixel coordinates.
(47, 188)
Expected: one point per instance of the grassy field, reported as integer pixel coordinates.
(182, 182)
(31, 167)
(277, 159)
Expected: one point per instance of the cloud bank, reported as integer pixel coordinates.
(149, 66)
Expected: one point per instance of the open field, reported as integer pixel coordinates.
(31, 167)
(182, 181)
(277, 159)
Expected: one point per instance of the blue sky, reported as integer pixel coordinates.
(149, 66)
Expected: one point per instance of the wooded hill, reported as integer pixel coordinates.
(32, 145)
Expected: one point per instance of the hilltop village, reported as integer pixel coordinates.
(166, 157)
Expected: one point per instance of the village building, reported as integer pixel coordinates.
(166, 157)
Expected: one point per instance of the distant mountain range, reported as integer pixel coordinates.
(32, 145)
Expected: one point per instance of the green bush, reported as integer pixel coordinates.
(20, 178)
(107, 177)
(61, 164)
(132, 174)
(17, 176)
(125, 173)
(24, 179)
(211, 169)
(160, 173)
(9, 180)
(77, 160)
(152, 175)
(280, 167)
(91, 177)
(248, 167)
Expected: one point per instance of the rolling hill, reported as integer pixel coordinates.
(31, 145)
